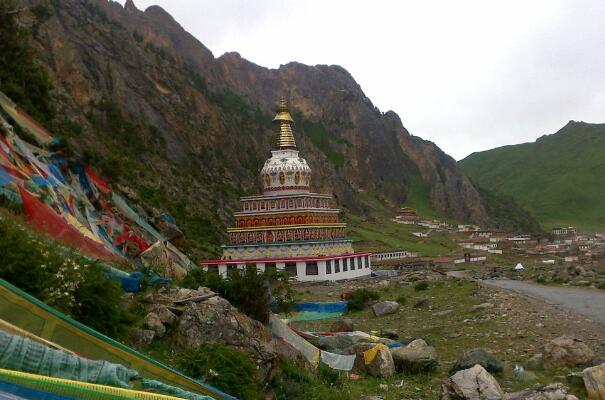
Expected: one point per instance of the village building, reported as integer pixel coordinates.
(392, 255)
(407, 216)
(569, 231)
(289, 227)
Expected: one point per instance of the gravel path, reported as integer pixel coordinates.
(587, 302)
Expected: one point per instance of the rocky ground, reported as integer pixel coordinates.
(454, 316)
(589, 275)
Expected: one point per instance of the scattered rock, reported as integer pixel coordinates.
(482, 306)
(442, 313)
(343, 325)
(417, 356)
(423, 301)
(385, 307)
(153, 322)
(472, 384)
(566, 352)
(142, 336)
(554, 391)
(594, 381)
(478, 356)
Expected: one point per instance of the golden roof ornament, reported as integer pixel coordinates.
(283, 117)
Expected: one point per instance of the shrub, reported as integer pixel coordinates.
(601, 285)
(248, 289)
(62, 278)
(360, 297)
(423, 285)
(295, 383)
(401, 299)
(227, 369)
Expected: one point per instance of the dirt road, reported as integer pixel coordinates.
(587, 302)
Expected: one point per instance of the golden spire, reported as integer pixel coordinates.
(283, 117)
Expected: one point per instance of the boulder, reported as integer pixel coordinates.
(417, 356)
(153, 322)
(382, 366)
(482, 357)
(166, 316)
(142, 336)
(554, 391)
(343, 325)
(385, 307)
(594, 381)
(472, 384)
(566, 352)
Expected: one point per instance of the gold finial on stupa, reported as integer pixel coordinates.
(283, 117)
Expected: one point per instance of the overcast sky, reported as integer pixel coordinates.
(468, 75)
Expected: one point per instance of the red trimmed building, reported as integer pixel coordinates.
(289, 227)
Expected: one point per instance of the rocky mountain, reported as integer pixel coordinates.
(155, 111)
(560, 178)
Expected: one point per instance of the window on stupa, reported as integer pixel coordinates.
(291, 269)
(282, 178)
(312, 268)
(297, 177)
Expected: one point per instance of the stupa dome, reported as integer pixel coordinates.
(285, 172)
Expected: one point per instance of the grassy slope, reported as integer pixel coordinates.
(473, 329)
(559, 178)
(382, 234)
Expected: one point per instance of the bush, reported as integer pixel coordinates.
(423, 285)
(248, 289)
(360, 297)
(295, 383)
(401, 299)
(62, 278)
(601, 285)
(229, 370)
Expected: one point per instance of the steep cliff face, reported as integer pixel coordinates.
(188, 131)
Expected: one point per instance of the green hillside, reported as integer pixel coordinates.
(559, 178)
